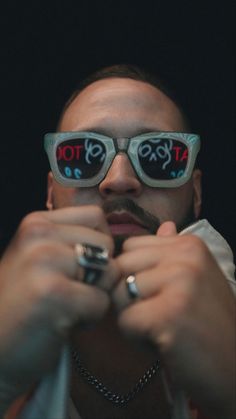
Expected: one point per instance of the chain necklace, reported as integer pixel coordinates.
(117, 399)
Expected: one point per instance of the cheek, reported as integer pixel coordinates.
(65, 197)
(170, 204)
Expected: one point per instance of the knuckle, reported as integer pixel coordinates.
(166, 339)
(32, 217)
(33, 226)
(133, 323)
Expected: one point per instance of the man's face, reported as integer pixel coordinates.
(120, 107)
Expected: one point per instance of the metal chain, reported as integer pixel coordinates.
(117, 399)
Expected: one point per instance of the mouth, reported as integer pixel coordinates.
(123, 223)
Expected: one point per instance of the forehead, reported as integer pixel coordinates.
(119, 106)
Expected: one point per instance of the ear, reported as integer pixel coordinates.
(197, 191)
(49, 202)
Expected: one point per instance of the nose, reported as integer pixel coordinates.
(120, 179)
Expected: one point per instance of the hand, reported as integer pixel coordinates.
(41, 293)
(186, 310)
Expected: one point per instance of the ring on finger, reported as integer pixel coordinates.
(93, 259)
(131, 286)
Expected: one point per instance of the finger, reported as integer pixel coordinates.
(108, 279)
(148, 283)
(81, 234)
(81, 303)
(167, 228)
(146, 241)
(156, 317)
(65, 303)
(58, 257)
(50, 274)
(49, 256)
(145, 257)
(52, 257)
(36, 227)
(138, 260)
(89, 215)
(161, 315)
(146, 318)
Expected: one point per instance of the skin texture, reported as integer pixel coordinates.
(141, 108)
(186, 311)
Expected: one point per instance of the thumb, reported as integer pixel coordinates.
(168, 228)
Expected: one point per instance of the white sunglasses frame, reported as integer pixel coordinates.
(116, 145)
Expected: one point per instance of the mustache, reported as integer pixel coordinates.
(148, 220)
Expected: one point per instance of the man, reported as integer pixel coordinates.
(159, 309)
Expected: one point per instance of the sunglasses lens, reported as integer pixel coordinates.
(163, 158)
(80, 158)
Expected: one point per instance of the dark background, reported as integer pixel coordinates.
(47, 47)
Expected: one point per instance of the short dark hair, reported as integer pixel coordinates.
(126, 71)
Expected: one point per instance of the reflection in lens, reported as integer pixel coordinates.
(80, 158)
(163, 158)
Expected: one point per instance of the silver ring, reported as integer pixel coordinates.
(93, 259)
(131, 286)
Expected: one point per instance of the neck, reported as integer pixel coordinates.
(118, 363)
(106, 352)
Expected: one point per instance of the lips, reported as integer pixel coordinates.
(124, 223)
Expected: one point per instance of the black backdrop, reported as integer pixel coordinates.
(46, 47)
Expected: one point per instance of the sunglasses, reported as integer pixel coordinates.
(159, 159)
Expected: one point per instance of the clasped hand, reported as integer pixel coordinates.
(186, 308)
